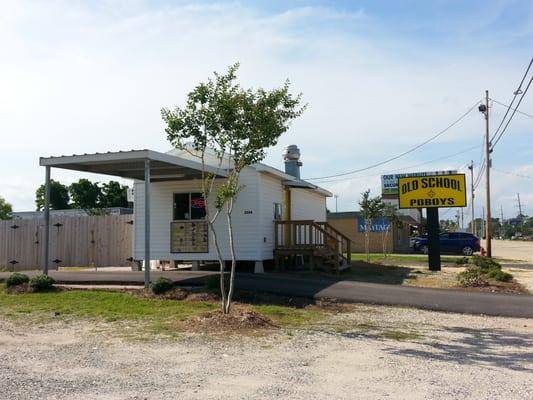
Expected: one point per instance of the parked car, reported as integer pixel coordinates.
(451, 242)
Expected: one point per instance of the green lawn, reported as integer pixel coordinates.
(409, 258)
(153, 315)
(100, 304)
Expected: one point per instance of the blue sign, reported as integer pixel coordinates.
(378, 224)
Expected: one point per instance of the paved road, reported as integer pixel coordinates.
(348, 291)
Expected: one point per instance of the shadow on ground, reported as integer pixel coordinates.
(494, 347)
(362, 271)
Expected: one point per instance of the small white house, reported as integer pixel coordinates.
(178, 229)
(169, 208)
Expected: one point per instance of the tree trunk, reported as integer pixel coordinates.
(233, 258)
(367, 239)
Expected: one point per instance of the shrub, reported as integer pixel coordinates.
(500, 275)
(16, 279)
(472, 277)
(40, 283)
(161, 285)
(462, 261)
(485, 262)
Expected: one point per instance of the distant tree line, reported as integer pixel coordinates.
(5, 209)
(83, 194)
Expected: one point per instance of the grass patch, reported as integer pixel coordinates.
(291, 316)
(100, 304)
(150, 316)
(411, 258)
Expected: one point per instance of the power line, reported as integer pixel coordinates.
(515, 94)
(477, 181)
(513, 173)
(401, 154)
(402, 168)
(512, 115)
(506, 105)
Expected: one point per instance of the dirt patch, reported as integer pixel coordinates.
(203, 296)
(239, 320)
(25, 288)
(494, 286)
(173, 294)
(19, 289)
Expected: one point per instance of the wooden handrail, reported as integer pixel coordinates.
(308, 234)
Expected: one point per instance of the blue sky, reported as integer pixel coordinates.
(379, 77)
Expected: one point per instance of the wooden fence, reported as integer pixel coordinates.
(98, 241)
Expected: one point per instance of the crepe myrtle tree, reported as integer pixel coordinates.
(238, 125)
(390, 213)
(370, 208)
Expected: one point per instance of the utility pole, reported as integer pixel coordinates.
(502, 231)
(482, 228)
(336, 198)
(462, 219)
(471, 168)
(519, 206)
(484, 108)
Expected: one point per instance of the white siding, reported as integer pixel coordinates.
(247, 240)
(271, 191)
(307, 204)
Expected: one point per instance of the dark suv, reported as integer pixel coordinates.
(451, 242)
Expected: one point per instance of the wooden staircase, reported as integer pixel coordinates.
(324, 246)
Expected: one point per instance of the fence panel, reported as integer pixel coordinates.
(74, 241)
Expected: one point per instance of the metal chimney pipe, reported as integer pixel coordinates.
(291, 157)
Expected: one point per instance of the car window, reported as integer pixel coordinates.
(444, 235)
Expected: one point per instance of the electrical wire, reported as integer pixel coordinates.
(512, 115)
(512, 173)
(505, 105)
(477, 181)
(515, 94)
(402, 168)
(401, 154)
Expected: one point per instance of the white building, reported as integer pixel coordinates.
(173, 205)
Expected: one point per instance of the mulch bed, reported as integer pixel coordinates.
(494, 286)
(238, 320)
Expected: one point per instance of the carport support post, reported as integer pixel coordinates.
(146, 223)
(46, 220)
(432, 215)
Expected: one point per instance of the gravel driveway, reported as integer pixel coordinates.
(442, 356)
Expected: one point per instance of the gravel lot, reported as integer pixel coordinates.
(442, 356)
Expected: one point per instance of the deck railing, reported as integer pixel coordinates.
(308, 234)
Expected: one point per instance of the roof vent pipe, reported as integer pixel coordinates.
(291, 157)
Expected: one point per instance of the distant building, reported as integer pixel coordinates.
(73, 212)
(352, 225)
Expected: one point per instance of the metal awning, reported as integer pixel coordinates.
(130, 164)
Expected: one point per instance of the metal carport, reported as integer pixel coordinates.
(146, 165)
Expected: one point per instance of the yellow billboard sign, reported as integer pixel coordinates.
(432, 191)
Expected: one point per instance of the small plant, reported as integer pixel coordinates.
(16, 279)
(472, 277)
(462, 261)
(500, 275)
(41, 283)
(161, 285)
(485, 262)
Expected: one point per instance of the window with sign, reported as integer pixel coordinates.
(188, 206)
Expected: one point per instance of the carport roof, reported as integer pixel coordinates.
(130, 164)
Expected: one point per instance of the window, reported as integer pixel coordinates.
(278, 211)
(188, 206)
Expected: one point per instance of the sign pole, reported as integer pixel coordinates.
(432, 215)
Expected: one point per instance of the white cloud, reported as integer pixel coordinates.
(83, 77)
